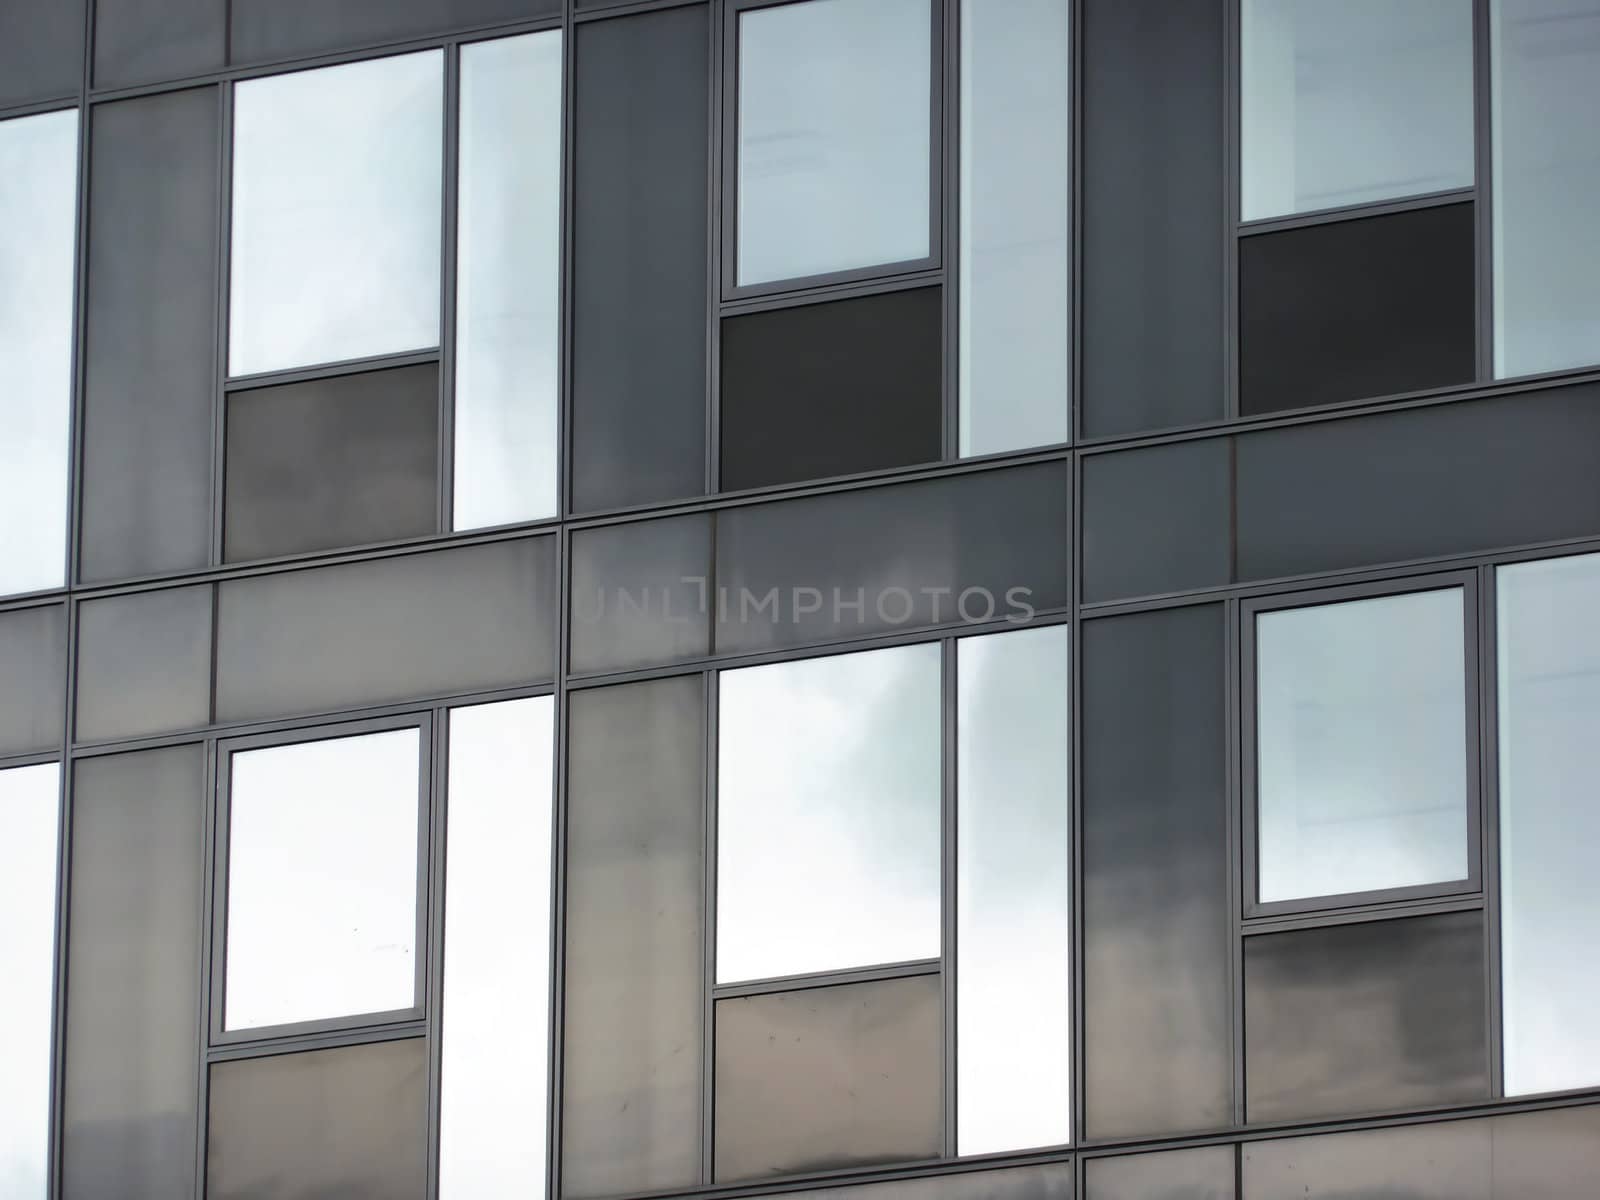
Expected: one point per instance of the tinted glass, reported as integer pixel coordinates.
(143, 41)
(1356, 1018)
(33, 678)
(263, 29)
(641, 593)
(41, 50)
(322, 879)
(133, 975)
(508, 281)
(834, 132)
(1203, 1174)
(150, 369)
(1051, 1181)
(635, 877)
(1016, 283)
(144, 663)
(641, 116)
(38, 197)
(497, 949)
(1013, 892)
(831, 389)
(828, 1077)
(332, 462)
(1448, 1161)
(350, 1122)
(1539, 1155)
(828, 813)
(1357, 308)
(336, 195)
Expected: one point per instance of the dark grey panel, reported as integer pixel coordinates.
(334, 462)
(267, 29)
(1545, 1155)
(433, 624)
(1417, 1162)
(641, 593)
(133, 990)
(145, 41)
(641, 107)
(894, 557)
(1152, 214)
(635, 906)
(41, 49)
(350, 1123)
(1205, 1173)
(33, 678)
(1411, 484)
(1157, 1015)
(1051, 1181)
(1157, 520)
(828, 1077)
(150, 369)
(144, 663)
(1365, 1017)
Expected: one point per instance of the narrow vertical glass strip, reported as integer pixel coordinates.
(1013, 894)
(1016, 186)
(508, 281)
(493, 1104)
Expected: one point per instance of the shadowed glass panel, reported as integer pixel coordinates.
(144, 663)
(1206, 1173)
(33, 678)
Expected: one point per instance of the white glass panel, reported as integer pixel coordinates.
(834, 124)
(1361, 745)
(38, 226)
(1015, 352)
(1351, 101)
(508, 283)
(1550, 822)
(336, 213)
(29, 802)
(497, 950)
(828, 813)
(322, 879)
(1013, 922)
(1545, 57)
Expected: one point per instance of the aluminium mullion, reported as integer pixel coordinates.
(206, 955)
(949, 188)
(1231, 159)
(719, 112)
(949, 963)
(434, 865)
(1483, 175)
(555, 1039)
(708, 945)
(223, 268)
(1235, 719)
(1075, 241)
(1489, 819)
(566, 277)
(1077, 983)
(449, 232)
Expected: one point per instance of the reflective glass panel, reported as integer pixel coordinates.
(38, 230)
(1350, 102)
(508, 280)
(833, 137)
(1361, 745)
(322, 879)
(828, 813)
(336, 213)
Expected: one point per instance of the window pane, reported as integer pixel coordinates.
(1546, 89)
(1451, 1160)
(641, 593)
(508, 281)
(41, 56)
(144, 663)
(1549, 678)
(38, 232)
(1015, 356)
(497, 949)
(1352, 102)
(834, 137)
(828, 813)
(1206, 1173)
(33, 678)
(322, 879)
(336, 196)
(1361, 745)
(268, 29)
(29, 803)
(1013, 922)
(146, 41)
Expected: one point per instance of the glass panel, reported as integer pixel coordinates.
(641, 593)
(1540, 1155)
(828, 1077)
(1016, 281)
(1545, 60)
(146, 41)
(133, 975)
(33, 678)
(1449, 1161)
(1361, 746)
(30, 799)
(322, 879)
(834, 131)
(336, 198)
(1203, 1174)
(1050, 1181)
(144, 663)
(1013, 920)
(38, 232)
(508, 281)
(1549, 676)
(267, 29)
(828, 813)
(41, 56)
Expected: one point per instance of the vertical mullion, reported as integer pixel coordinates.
(1483, 177)
(1077, 981)
(1075, 61)
(556, 1007)
(950, 184)
(223, 285)
(450, 220)
(721, 182)
(1235, 718)
(1231, 157)
(1489, 799)
(564, 318)
(949, 707)
(207, 951)
(709, 942)
(432, 998)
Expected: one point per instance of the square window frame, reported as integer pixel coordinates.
(1381, 898)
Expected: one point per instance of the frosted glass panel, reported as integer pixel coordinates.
(336, 213)
(1361, 745)
(508, 282)
(322, 879)
(1013, 892)
(834, 137)
(1549, 647)
(1351, 101)
(828, 814)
